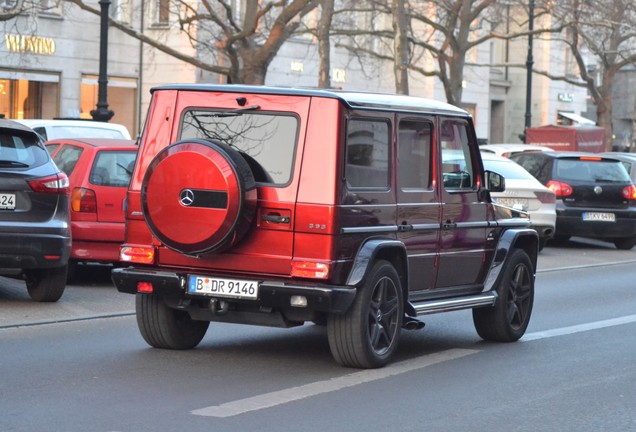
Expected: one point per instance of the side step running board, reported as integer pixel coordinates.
(456, 303)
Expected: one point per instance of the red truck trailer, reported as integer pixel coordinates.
(577, 138)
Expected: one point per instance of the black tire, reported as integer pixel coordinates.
(367, 335)
(625, 243)
(508, 320)
(164, 327)
(46, 285)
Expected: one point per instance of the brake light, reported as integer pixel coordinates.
(55, 184)
(310, 269)
(559, 188)
(145, 287)
(84, 200)
(590, 158)
(629, 192)
(546, 197)
(137, 254)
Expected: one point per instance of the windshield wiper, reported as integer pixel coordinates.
(231, 113)
(12, 163)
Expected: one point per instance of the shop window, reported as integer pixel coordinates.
(121, 98)
(28, 99)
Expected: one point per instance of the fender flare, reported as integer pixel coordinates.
(369, 252)
(523, 238)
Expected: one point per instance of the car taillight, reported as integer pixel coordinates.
(84, 200)
(310, 269)
(629, 192)
(55, 184)
(137, 254)
(546, 197)
(559, 188)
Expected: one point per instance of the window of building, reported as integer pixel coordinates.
(163, 12)
(51, 7)
(367, 154)
(121, 10)
(31, 97)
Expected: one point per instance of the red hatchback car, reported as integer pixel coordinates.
(99, 172)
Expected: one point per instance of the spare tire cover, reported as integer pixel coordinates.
(198, 196)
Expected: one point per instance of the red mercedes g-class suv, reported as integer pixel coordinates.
(359, 211)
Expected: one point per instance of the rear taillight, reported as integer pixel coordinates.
(137, 254)
(310, 269)
(83, 200)
(559, 188)
(55, 184)
(546, 197)
(629, 192)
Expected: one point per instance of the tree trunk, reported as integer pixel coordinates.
(400, 48)
(324, 45)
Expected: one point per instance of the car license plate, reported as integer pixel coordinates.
(7, 201)
(515, 203)
(220, 287)
(599, 216)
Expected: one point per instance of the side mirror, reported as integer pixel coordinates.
(494, 182)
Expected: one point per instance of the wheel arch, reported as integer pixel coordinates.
(372, 250)
(525, 239)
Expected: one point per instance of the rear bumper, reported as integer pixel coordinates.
(570, 223)
(272, 294)
(31, 251)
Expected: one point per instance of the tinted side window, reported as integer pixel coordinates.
(367, 154)
(67, 158)
(112, 168)
(536, 165)
(457, 167)
(414, 155)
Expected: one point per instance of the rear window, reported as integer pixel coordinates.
(267, 141)
(591, 171)
(21, 150)
(112, 168)
(510, 170)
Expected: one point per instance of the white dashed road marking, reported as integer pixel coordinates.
(284, 396)
(280, 397)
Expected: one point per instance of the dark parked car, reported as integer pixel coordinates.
(595, 195)
(35, 233)
(277, 207)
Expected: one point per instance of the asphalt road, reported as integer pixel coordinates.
(80, 365)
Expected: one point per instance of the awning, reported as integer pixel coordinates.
(577, 118)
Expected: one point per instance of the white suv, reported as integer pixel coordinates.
(53, 129)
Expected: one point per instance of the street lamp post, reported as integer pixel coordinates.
(529, 63)
(102, 113)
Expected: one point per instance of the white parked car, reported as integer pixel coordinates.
(54, 129)
(507, 150)
(524, 192)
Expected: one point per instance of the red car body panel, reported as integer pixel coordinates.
(96, 235)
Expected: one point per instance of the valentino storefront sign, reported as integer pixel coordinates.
(30, 44)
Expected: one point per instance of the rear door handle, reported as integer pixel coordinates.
(275, 218)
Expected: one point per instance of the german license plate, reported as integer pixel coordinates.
(7, 201)
(599, 216)
(516, 203)
(221, 287)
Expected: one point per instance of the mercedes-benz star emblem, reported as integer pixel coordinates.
(186, 197)
(598, 190)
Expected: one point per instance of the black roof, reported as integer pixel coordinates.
(363, 100)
